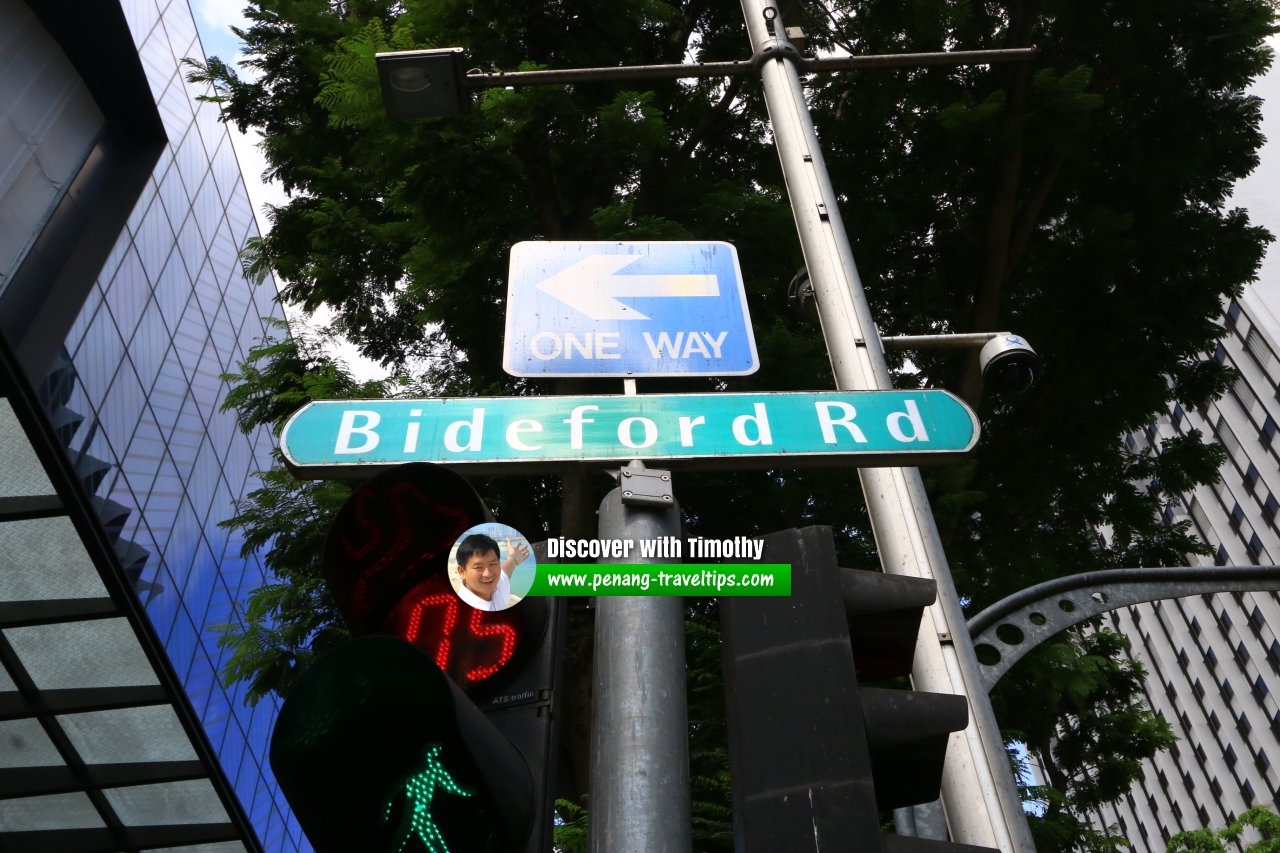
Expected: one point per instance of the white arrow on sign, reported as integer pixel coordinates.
(591, 285)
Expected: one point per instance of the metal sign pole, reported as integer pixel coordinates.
(639, 788)
(978, 789)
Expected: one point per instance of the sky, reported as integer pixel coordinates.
(1259, 193)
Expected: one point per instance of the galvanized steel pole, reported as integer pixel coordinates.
(639, 788)
(978, 789)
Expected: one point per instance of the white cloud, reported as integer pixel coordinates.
(221, 14)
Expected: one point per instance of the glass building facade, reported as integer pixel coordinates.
(122, 303)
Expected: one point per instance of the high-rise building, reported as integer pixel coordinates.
(122, 303)
(1213, 661)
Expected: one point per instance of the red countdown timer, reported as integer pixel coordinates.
(386, 560)
(475, 648)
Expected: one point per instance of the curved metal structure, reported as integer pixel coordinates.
(1007, 630)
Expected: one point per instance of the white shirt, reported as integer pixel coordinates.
(501, 595)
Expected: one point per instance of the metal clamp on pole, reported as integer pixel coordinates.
(778, 47)
(645, 486)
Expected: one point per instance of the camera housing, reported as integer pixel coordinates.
(1009, 364)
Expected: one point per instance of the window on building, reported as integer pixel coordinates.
(1178, 414)
(1233, 314)
(1244, 395)
(1240, 653)
(1273, 656)
(1251, 477)
(1255, 619)
(1197, 515)
(1246, 791)
(1183, 658)
(1198, 689)
(1259, 688)
(1227, 438)
(1255, 549)
(1230, 755)
(1211, 658)
(1260, 760)
(1216, 787)
(1242, 724)
(1257, 347)
(1237, 516)
(1195, 627)
(1220, 558)
(1220, 354)
(1268, 431)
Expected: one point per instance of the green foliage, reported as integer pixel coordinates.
(1259, 818)
(285, 624)
(709, 782)
(1081, 700)
(570, 833)
(1077, 199)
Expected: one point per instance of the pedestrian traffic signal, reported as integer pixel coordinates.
(480, 685)
(387, 563)
(816, 758)
(480, 650)
(376, 749)
(392, 533)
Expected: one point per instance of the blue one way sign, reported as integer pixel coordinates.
(627, 309)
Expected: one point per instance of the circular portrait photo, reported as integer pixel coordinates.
(491, 566)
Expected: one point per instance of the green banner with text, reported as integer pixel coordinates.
(682, 579)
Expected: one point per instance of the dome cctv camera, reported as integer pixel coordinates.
(1009, 364)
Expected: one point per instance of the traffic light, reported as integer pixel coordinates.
(447, 696)
(377, 750)
(816, 758)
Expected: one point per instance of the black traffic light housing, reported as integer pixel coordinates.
(481, 683)
(376, 749)
(816, 758)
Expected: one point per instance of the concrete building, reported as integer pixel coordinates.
(1214, 660)
(121, 304)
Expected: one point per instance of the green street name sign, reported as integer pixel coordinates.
(497, 435)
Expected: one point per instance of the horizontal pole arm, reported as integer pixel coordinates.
(918, 342)
(736, 68)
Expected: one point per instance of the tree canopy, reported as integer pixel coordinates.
(1078, 199)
